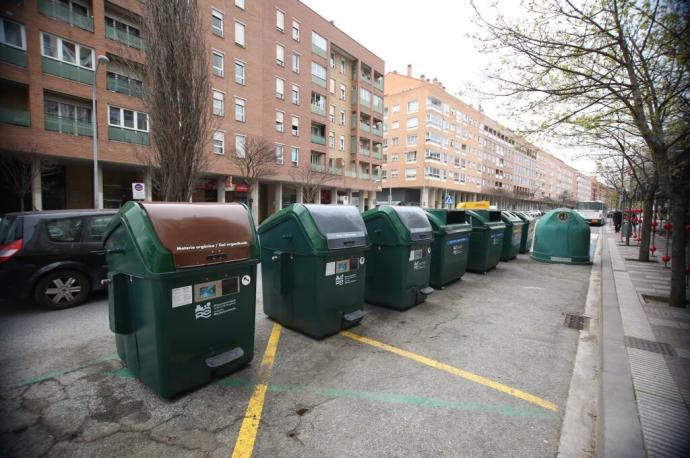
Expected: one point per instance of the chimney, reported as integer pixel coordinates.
(409, 69)
(421, 77)
(435, 80)
(332, 22)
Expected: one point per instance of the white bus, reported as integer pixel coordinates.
(592, 211)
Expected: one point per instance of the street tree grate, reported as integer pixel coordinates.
(649, 345)
(575, 321)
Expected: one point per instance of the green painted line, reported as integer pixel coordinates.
(49, 375)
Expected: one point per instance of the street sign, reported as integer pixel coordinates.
(449, 200)
(138, 191)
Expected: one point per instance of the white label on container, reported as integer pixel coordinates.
(330, 268)
(181, 296)
(558, 259)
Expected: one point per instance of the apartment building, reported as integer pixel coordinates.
(584, 186)
(439, 150)
(278, 70)
(556, 180)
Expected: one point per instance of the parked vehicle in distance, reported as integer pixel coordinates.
(592, 211)
(55, 257)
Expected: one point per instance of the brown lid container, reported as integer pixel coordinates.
(201, 233)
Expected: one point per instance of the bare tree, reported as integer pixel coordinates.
(564, 60)
(311, 181)
(177, 94)
(256, 160)
(20, 173)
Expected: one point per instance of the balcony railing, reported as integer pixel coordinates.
(351, 173)
(376, 176)
(364, 151)
(65, 14)
(318, 110)
(318, 167)
(335, 170)
(12, 55)
(364, 175)
(127, 87)
(318, 139)
(14, 116)
(120, 134)
(70, 126)
(319, 51)
(377, 131)
(124, 37)
(318, 80)
(364, 127)
(366, 77)
(68, 71)
(378, 84)
(376, 154)
(364, 102)
(378, 107)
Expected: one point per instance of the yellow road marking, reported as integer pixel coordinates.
(244, 446)
(454, 370)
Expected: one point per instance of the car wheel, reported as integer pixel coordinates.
(62, 289)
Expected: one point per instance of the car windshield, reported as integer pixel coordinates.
(8, 230)
(590, 206)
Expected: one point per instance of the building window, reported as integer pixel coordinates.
(394, 157)
(280, 152)
(280, 21)
(341, 143)
(12, 34)
(239, 4)
(65, 51)
(295, 30)
(412, 123)
(413, 106)
(343, 92)
(394, 173)
(318, 74)
(280, 55)
(331, 139)
(240, 143)
(280, 121)
(395, 125)
(295, 126)
(67, 118)
(331, 86)
(128, 119)
(410, 174)
(280, 88)
(395, 141)
(295, 62)
(332, 61)
(411, 140)
(217, 22)
(341, 121)
(331, 113)
(239, 72)
(218, 63)
(295, 94)
(239, 34)
(240, 110)
(218, 103)
(342, 66)
(395, 108)
(319, 44)
(294, 156)
(219, 142)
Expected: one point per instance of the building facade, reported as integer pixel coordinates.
(278, 70)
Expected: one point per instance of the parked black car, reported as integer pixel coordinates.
(55, 257)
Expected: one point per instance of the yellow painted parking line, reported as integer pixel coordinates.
(244, 446)
(455, 371)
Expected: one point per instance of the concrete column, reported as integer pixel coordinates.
(254, 197)
(424, 200)
(349, 196)
(278, 196)
(36, 189)
(372, 199)
(300, 195)
(100, 186)
(360, 204)
(148, 185)
(334, 196)
(220, 189)
(317, 197)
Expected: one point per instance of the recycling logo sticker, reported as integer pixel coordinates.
(202, 311)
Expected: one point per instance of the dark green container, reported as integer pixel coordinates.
(562, 236)
(182, 291)
(527, 231)
(313, 267)
(512, 235)
(450, 248)
(486, 239)
(399, 259)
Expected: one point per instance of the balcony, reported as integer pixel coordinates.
(378, 83)
(364, 102)
(70, 126)
(318, 81)
(124, 86)
(376, 154)
(376, 176)
(318, 139)
(120, 134)
(318, 168)
(335, 170)
(364, 151)
(318, 109)
(318, 51)
(351, 173)
(363, 174)
(12, 55)
(62, 13)
(67, 71)
(364, 127)
(124, 37)
(15, 117)
(378, 106)
(377, 130)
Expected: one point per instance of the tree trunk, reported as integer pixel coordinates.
(646, 224)
(678, 240)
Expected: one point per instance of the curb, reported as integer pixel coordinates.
(578, 432)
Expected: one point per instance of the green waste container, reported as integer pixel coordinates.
(313, 267)
(512, 235)
(450, 248)
(562, 236)
(527, 231)
(486, 239)
(399, 260)
(182, 291)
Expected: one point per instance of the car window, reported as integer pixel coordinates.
(64, 230)
(95, 227)
(9, 230)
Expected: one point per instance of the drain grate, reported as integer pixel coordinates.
(649, 345)
(575, 321)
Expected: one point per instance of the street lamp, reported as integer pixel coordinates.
(94, 123)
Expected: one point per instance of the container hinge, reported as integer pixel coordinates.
(225, 357)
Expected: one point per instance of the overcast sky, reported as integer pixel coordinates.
(432, 36)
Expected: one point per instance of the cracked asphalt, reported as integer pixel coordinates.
(64, 392)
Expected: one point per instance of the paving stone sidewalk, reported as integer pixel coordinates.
(657, 338)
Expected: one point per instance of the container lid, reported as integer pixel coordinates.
(448, 221)
(202, 233)
(510, 217)
(415, 221)
(341, 225)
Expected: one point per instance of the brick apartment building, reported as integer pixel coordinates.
(279, 70)
(436, 145)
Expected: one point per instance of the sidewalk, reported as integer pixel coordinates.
(656, 338)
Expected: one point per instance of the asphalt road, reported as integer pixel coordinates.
(64, 392)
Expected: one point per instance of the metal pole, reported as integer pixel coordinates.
(94, 125)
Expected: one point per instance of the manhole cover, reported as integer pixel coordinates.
(649, 345)
(575, 321)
